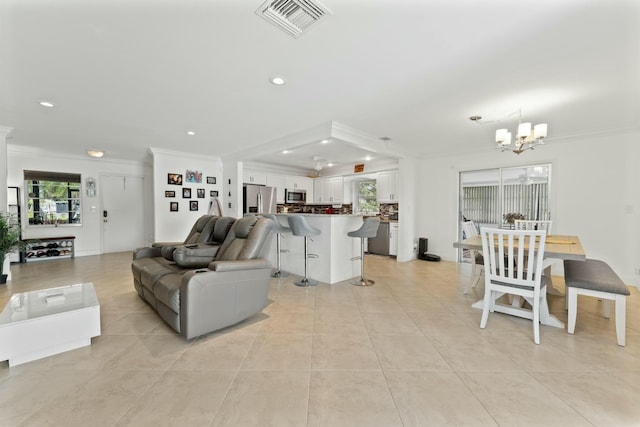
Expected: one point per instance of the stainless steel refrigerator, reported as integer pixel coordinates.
(259, 199)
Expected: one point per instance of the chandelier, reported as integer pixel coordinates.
(526, 137)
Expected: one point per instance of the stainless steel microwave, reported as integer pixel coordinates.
(295, 196)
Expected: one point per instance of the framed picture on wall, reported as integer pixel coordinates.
(186, 193)
(169, 194)
(213, 193)
(174, 179)
(193, 205)
(194, 176)
(200, 193)
(173, 206)
(211, 180)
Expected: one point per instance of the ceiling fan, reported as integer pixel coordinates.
(318, 162)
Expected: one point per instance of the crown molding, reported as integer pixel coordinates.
(161, 151)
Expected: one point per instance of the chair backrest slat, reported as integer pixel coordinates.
(513, 256)
(538, 224)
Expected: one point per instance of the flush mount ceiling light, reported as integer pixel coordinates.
(190, 133)
(294, 17)
(526, 137)
(47, 104)
(278, 80)
(95, 153)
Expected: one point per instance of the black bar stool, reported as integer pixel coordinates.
(300, 227)
(279, 230)
(369, 228)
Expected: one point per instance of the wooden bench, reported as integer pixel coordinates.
(595, 278)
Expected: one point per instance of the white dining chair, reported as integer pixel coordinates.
(477, 261)
(513, 265)
(533, 224)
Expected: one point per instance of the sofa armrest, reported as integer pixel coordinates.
(195, 255)
(247, 264)
(161, 244)
(147, 252)
(211, 300)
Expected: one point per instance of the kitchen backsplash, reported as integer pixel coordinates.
(344, 209)
(388, 211)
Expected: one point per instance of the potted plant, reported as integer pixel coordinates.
(510, 218)
(9, 239)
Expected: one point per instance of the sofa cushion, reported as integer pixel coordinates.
(139, 265)
(167, 290)
(151, 273)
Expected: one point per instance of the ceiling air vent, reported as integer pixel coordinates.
(293, 16)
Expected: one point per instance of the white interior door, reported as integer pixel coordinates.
(122, 212)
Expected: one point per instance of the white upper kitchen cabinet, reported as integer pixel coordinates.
(387, 187)
(318, 190)
(300, 183)
(277, 181)
(254, 177)
(328, 190)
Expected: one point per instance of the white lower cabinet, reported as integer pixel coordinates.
(393, 238)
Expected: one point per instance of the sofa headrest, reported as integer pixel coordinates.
(244, 226)
(246, 239)
(221, 229)
(202, 230)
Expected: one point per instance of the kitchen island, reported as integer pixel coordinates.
(333, 247)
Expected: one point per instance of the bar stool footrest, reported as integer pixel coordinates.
(306, 282)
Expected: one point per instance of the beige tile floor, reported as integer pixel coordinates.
(407, 351)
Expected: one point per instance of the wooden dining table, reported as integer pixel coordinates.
(556, 248)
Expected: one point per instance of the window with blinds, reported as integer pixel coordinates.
(53, 198)
(486, 195)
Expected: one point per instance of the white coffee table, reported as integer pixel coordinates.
(42, 323)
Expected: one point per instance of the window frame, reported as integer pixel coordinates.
(72, 199)
(357, 196)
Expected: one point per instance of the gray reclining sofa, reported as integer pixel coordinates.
(206, 285)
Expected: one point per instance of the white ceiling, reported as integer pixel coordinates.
(128, 75)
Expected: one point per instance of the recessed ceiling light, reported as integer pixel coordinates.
(95, 153)
(367, 158)
(325, 141)
(277, 80)
(285, 151)
(47, 104)
(330, 164)
(190, 132)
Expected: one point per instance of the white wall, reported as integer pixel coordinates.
(89, 234)
(595, 194)
(174, 226)
(4, 133)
